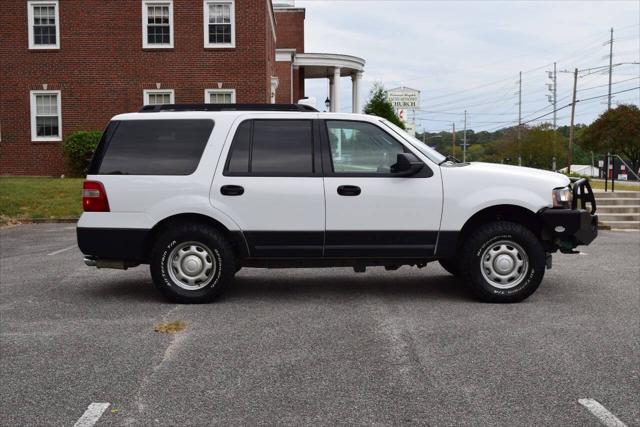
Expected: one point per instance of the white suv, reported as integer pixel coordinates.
(197, 192)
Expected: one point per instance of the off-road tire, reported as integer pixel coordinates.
(223, 257)
(474, 247)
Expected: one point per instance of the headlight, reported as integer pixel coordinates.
(562, 197)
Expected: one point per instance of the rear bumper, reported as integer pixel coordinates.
(567, 228)
(127, 244)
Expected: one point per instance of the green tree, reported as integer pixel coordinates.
(616, 131)
(379, 105)
(538, 145)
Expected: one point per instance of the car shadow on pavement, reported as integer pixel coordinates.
(132, 289)
(292, 288)
(297, 286)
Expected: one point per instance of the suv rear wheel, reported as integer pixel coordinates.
(503, 262)
(192, 264)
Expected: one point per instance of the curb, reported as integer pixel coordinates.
(17, 222)
(50, 221)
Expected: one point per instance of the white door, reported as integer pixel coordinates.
(271, 185)
(370, 211)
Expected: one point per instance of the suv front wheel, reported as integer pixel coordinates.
(192, 264)
(503, 262)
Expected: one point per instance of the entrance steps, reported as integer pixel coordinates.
(619, 210)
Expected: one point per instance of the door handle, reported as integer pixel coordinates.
(232, 190)
(349, 190)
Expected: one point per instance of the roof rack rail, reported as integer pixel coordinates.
(227, 107)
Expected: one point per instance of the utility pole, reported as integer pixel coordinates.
(573, 114)
(464, 139)
(555, 97)
(453, 149)
(519, 119)
(553, 100)
(610, 69)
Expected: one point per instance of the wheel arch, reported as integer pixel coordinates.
(511, 213)
(236, 238)
(503, 212)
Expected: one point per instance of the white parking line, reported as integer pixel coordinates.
(91, 415)
(61, 250)
(605, 417)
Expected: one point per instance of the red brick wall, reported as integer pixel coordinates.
(283, 71)
(270, 51)
(102, 69)
(298, 86)
(290, 35)
(290, 29)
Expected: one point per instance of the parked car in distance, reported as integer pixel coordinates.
(198, 192)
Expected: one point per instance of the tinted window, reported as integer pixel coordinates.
(239, 155)
(358, 147)
(156, 147)
(275, 147)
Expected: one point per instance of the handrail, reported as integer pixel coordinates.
(625, 163)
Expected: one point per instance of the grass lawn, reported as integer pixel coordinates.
(620, 185)
(28, 198)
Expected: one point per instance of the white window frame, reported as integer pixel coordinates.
(148, 92)
(208, 92)
(232, 15)
(31, 23)
(34, 128)
(145, 18)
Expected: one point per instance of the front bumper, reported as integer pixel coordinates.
(564, 229)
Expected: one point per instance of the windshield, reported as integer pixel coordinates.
(432, 154)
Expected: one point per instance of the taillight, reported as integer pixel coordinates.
(94, 198)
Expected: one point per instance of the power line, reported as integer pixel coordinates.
(513, 123)
(492, 83)
(607, 84)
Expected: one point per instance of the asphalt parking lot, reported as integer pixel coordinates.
(294, 347)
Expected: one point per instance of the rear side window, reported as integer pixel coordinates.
(272, 148)
(152, 147)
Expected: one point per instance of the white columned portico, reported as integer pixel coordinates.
(330, 96)
(333, 66)
(355, 92)
(335, 90)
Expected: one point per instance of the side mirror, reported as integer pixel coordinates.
(406, 164)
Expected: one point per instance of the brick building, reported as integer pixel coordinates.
(70, 65)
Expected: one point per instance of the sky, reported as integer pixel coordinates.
(468, 55)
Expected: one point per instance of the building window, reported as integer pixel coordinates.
(219, 24)
(157, 24)
(46, 117)
(44, 24)
(219, 96)
(159, 97)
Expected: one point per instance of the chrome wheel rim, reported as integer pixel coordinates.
(504, 264)
(191, 265)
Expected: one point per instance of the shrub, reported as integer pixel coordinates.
(78, 149)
